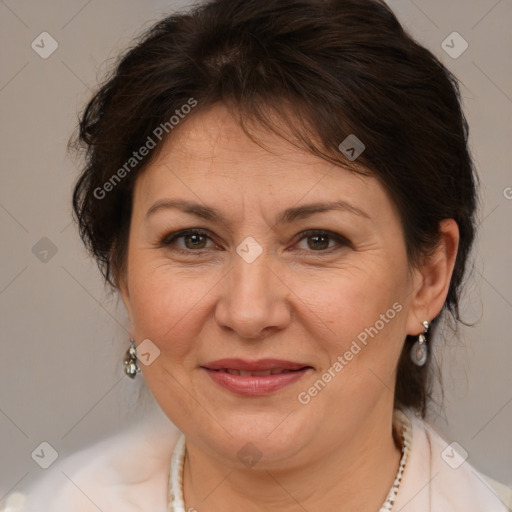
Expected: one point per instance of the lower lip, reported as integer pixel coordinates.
(255, 385)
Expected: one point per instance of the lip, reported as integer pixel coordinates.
(253, 366)
(255, 385)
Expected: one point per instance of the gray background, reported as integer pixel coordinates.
(63, 336)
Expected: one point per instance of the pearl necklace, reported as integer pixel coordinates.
(175, 495)
(400, 418)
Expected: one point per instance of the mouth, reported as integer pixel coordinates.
(255, 378)
(261, 373)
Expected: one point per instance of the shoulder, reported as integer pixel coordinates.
(128, 471)
(438, 476)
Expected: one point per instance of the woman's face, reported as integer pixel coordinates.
(332, 306)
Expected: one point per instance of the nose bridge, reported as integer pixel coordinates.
(250, 280)
(253, 298)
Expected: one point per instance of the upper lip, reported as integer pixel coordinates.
(254, 366)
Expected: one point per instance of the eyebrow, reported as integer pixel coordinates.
(287, 216)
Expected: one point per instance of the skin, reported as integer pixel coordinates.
(303, 299)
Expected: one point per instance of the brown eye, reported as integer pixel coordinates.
(321, 241)
(318, 241)
(193, 240)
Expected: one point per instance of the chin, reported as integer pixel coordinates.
(263, 440)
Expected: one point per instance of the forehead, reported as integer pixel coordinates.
(210, 156)
(214, 134)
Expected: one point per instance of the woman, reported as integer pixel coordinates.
(283, 196)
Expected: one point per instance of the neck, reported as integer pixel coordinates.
(357, 473)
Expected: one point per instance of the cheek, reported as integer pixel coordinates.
(166, 304)
(359, 316)
(346, 302)
(335, 306)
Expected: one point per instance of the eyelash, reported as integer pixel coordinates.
(169, 239)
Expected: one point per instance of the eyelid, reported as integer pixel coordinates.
(171, 237)
(168, 239)
(340, 239)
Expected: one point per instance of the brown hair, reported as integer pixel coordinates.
(328, 69)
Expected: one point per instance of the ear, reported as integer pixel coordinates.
(124, 293)
(432, 280)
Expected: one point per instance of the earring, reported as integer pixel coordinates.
(419, 351)
(130, 362)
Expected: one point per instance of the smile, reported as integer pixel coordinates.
(243, 373)
(257, 378)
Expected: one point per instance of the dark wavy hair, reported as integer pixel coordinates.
(325, 69)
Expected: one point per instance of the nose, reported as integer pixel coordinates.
(254, 300)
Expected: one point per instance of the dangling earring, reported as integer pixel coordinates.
(130, 362)
(419, 351)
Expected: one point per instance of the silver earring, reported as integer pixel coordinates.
(130, 362)
(419, 351)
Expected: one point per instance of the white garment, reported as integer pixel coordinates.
(130, 473)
